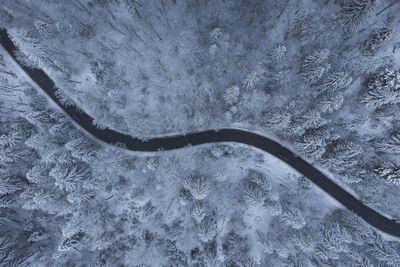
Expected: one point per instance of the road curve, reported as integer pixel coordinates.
(223, 135)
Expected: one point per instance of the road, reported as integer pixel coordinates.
(223, 135)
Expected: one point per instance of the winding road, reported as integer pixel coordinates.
(223, 135)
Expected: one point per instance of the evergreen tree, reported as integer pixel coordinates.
(228, 116)
(198, 186)
(217, 151)
(354, 124)
(79, 195)
(9, 184)
(314, 75)
(379, 38)
(388, 79)
(132, 6)
(358, 258)
(44, 29)
(231, 95)
(301, 24)
(312, 145)
(305, 240)
(151, 164)
(273, 207)
(318, 57)
(83, 149)
(12, 139)
(329, 102)
(278, 120)
(44, 144)
(38, 103)
(5, 201)
(207, 229)
(198, 212)
(294, 218)
(278, 53)
(30, 47)
(70, 178)
(336, 81)
(358, 227)
(266, 242)
(383, 88)
(304, 182)
(13, 148)
(389, 172)
(72, 241)
(215, 34)
(280, 79)
(385, 252)
(355, 11)
(260, 180)
(251, 79)
(312, 120)
(10, 255)
(139, 197)
(336, 238)
(253, 194)
(380, 97)
(212, 51)
(315, 66)
(246, 261)
(146, 212)
(343, 155)
(37, 198)
(38, 174)
(184, 196)
(389, 145)
(62, 157)
(101, 69)
(40, 119)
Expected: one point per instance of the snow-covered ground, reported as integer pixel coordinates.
(305, 73)
(219, 204)
(295, 69)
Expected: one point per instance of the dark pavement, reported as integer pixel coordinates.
(224, 135)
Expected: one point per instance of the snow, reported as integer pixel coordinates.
(164, 68)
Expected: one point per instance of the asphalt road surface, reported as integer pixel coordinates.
(223, 135)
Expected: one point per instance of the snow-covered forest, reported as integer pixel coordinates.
(323, 77)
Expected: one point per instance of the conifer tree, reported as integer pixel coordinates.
(273, 207)
(83, 149)
(294, 218)
(265, 241)
(389, 145)
(253, 194)
(207, 229)
(278, 53)
(29, 47)
(315, 66)
(301, 24)
(383, 88)
(389, 172)
(198, 186)
(336, 81)
(278, 120)
(312, 145)
(231, 95)
(329, 102)
(379, 38)
(251, 79)
(355, 11)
